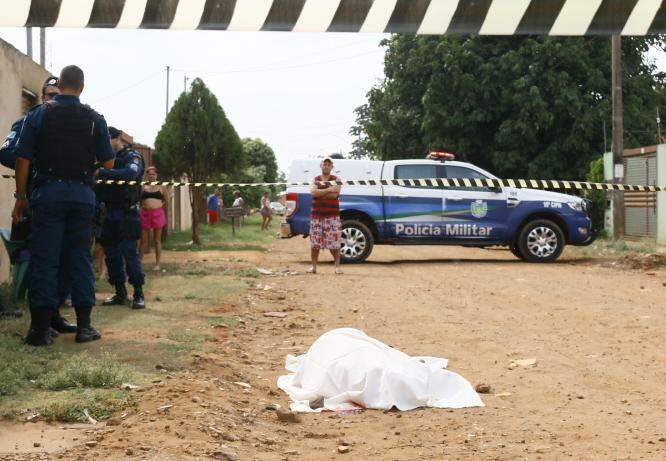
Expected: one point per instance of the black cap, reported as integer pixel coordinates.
(114, 133)
(51, 81)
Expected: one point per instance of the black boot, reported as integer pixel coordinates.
(61, 325)
(6, 312)
(39, 333)
(84, 330)
(119, 299)
(139, 301)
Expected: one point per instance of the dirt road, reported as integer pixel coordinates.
(596, 391)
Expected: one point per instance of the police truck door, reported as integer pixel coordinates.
(476, 214)
(413, 212)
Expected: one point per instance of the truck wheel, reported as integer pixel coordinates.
(541, 241)
(357, 242)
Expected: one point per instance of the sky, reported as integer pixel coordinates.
(295, 91)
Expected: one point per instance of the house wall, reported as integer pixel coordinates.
(21, 82)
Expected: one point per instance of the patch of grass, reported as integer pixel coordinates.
(197, 299)
(59, 381)
(178, 292)
(178, 348)
(200, 272)
(186, 341)
(257, 248)
(62, 380)
(19, 364)
(13, 377)
(223, 320)
(101, 405)
(188, 337)
(220, 238)
(253, 273)
(608, 247)
(83, 371)
(218, 247)
(204, 271)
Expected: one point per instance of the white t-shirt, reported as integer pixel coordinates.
(238, 203)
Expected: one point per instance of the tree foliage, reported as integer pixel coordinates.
(517, 106)
(599, 197)
(260, 155)
(197, 140)
(259, 165)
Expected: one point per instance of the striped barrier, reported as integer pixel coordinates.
(484, 17)
(543, 184)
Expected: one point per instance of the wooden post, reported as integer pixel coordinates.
(42, 46)
(618, 137)
(29, 38)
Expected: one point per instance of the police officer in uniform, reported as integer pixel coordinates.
(62, 139)
(21, 230)
(122, 225)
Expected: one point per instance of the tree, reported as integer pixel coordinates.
(260, 155)
(259, 165)
(197, 140)
(517, 106)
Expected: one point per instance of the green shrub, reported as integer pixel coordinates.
(598, 197)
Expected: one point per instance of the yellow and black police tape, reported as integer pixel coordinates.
(543, 184)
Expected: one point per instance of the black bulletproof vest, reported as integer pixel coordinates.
(66, 143)
(117, 196)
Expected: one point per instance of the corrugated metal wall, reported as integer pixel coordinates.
(640, 207)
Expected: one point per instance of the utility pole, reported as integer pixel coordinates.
(658, 127)
(618, 137)
(168, 70)
(29, 38)
(42, 46)
(185, 85)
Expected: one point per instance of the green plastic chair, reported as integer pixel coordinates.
(20, 270)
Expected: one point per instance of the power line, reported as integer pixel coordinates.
(317, 53)
(273, 69)
(127, 88)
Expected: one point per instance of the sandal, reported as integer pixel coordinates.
(338, 271)
(312, 270)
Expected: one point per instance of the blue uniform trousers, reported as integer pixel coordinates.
(64, 282)
(61, 232)
(120, 232)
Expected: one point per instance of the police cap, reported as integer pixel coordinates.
(51, 81)
(114, 133)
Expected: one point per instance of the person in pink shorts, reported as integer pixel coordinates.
(153, 215)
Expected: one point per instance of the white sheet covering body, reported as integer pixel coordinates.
(349, 369)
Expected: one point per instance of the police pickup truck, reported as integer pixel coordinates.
(534, 224)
